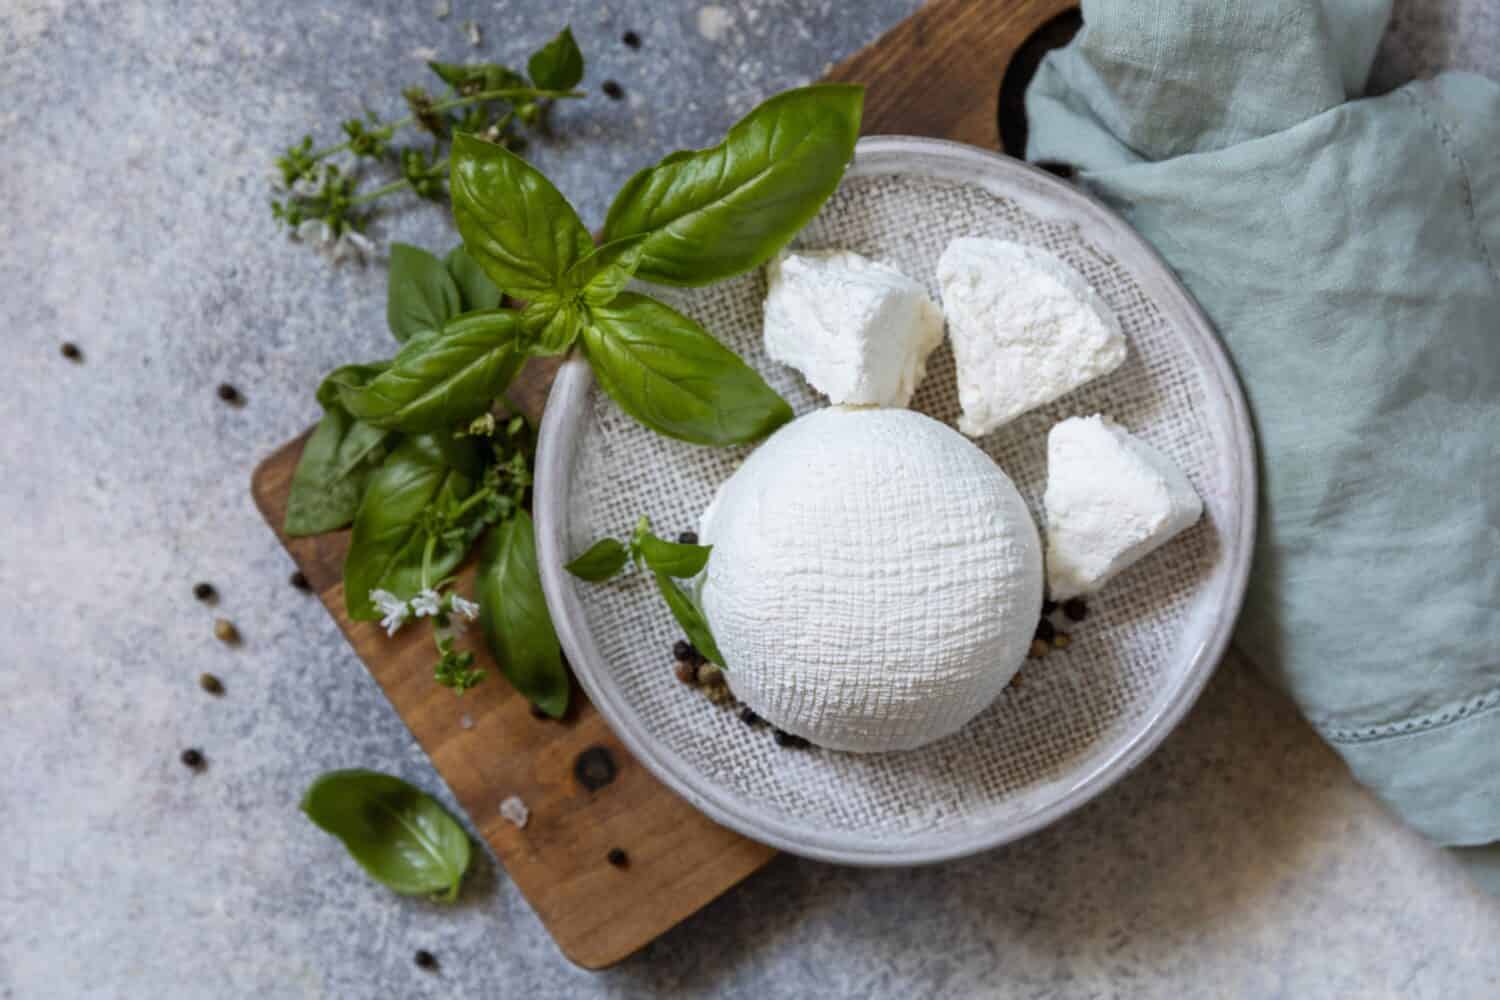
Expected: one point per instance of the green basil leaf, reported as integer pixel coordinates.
(331, 474)
(672, 558)
(513, 611)
(439, 380)
(603, 274)
(474, 286)
(689, 617)
(347, 377)
(668, 373)
(386, 546)
(714, 213)
(420, 295)
(551, 323)
(475, 77)
(604, 559)
(558, 65)
(397, 832)
(519, 227)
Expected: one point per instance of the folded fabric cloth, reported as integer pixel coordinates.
(1347, 251)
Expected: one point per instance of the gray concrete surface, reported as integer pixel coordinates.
(1241, 860)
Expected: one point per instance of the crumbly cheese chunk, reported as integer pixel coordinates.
(1026, 328)
(1111, 499)
(857, 330)
(875, 579)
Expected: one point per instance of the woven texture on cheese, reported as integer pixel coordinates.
(1072, 710)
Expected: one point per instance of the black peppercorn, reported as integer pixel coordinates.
(748, 716)
(204, 592)
(686, 652)
(612, 90)
(1048, 607)
(1045, 631)
(425, 959)
(229, 393)
(688, 538)
(631, 40)
(192, 758)
(299, 580)
(210, 683)
(1076, 609)
(71, 352)
(617, 857)
(786, 739)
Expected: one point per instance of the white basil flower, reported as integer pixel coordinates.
(427, 603)
(393, 608)
(461, 607)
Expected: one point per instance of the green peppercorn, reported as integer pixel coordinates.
(211, 684)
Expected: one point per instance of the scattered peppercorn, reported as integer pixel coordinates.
(710, 674)
(748, 716)
(1045, 630)
(612, 90)
(682, 649)
(631, 40)
(687, 672)
(1062, 640)
(594, 768)
(688, 538)
(537, 713)
(425, 959)
(299, 580)
(210, 683)
(617, 857)
(204, 592)
(192, 758)
(1048, 607)
(788, 740)
(1038, 649)
(718, 694)
(1076, 609)
(229, 393)
(71, 352)
(225, 631)
(1015, 681)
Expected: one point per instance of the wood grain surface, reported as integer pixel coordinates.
(937, 73)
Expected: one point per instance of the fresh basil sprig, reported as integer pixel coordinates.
(664, 560)
(398, 833)
(710, 214)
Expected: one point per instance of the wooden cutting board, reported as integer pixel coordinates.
(938, 73)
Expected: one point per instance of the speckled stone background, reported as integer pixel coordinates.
(1240, 860)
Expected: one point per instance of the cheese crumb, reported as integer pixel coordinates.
(515, 810)
(1026, 329)
(1111, 499)
(859, 331)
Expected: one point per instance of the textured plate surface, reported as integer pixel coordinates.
(1080, 718)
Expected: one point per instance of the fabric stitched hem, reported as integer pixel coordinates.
(1448, 715)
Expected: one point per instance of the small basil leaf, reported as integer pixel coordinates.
(714, 213)
(603, 274)
(476, 77)
(386, 546)
(513, 611)
(439, 380)
(668, 373)
(514, 223)
(398, 833)
(672, 558)
(689, 617)
(604, 559)
(347, 377)
(420, 295)
(551, 324)
(474, 286)
(558, 65)
(331, 474)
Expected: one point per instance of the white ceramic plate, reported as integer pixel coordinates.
(1081, 718)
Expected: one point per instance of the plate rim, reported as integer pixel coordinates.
(560, 436)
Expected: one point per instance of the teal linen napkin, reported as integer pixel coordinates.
(1346, 250)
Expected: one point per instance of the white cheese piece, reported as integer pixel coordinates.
(1026, 328)
(1111, 499)
(875, 579)
(858, 331)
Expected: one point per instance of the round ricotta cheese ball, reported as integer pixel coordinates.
(875, 580)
